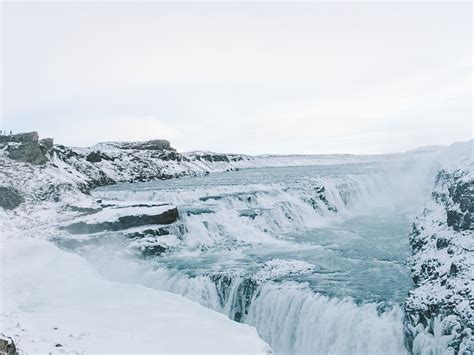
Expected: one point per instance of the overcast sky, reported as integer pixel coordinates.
(240, 77)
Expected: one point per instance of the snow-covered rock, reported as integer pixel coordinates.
(7, 345)
(440, 309)
(114, 219)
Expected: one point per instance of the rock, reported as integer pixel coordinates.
(20, 138)
(153, 250)
(176, 229)
(10, 198)
(29, 152)
(7, 346)
(94, 157)
(442, 243)
(155, 144)
(46, 144)
(213, 157)
(453, 270)
(125, 222)
(458, 199)
(441, 264)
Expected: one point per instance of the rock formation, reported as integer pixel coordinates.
(10, 198)
(7, 345)
(155, 144)
(26, 147)
(440, 309)
(142, 218)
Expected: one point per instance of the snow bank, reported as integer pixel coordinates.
(55, 301)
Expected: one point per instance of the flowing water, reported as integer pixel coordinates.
(312, 256)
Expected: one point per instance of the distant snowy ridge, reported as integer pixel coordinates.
(440, 310)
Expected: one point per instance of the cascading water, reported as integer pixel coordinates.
(313, 257)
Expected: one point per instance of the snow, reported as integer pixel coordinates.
(51, 297)
(277, 268)
(443, 262)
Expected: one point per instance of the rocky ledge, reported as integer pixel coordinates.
(440, 309)
(7, 345)
(121, 218)
(26, 147)
(151, 229)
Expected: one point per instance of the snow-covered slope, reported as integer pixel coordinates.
(54, 301)
(440, 310)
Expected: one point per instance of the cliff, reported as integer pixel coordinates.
(440, 309)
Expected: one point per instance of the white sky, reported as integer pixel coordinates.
(241, 77)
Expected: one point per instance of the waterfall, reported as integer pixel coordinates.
(290, 316)
(224, 218)
(293, 319)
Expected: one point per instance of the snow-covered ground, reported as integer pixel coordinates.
(54, 301)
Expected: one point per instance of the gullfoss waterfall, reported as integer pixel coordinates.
(312, 256)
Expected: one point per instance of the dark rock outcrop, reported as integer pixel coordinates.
(153, 250)
(177, 229)
(7, 346)
(459, 200)
(98, 156)
(26, 148)
(10, 198)
(213, 157)
(155, 144)
(29, 152)
(20, 138)
(125, 222)
(94, 157)
(47, 143)
(442, 266)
